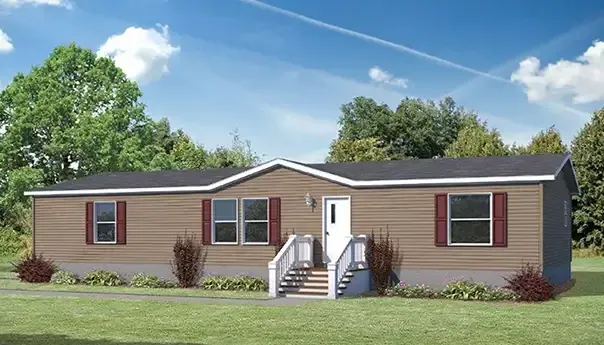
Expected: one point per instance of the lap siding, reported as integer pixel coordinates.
(154, 221)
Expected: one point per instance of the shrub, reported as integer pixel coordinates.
(34, 269)
(471, 291)
(380, 255)
(64, 278)
(411, 291)
(26, 246)
(102, 278)
(187, 263)
(143, 280)
(530, 284)
(10, 243)
(237, 283)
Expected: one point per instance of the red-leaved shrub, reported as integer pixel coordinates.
(530, 284)
(380, 255)
(188, 261)
(34, 269)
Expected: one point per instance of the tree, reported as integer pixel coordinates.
(74, 115)
(588, 160)
(475, 139)
(15, 207)
(419, 129)
(360, 150)
(240, 154)
(548, 141)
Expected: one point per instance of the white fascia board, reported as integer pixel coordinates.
(300, 168)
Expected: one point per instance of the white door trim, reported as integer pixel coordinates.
(324, 215)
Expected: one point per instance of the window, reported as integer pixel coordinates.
(224, 220)
(104, 222)
(333, 213)
(470, 219)
(566, 214)
(255, 221)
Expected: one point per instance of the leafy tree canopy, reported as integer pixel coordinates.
(475, 139)
(360, 150)
(417, 128)
(588, 160)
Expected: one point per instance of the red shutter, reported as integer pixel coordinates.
(206, 221)
(440, 220)
(274, 221)
(500, 219)
(89, 222)
(121, 223)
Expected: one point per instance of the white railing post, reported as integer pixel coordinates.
(310, 241)
(332, 290)
(273, 279)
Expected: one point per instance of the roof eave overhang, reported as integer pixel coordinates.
(302, 169)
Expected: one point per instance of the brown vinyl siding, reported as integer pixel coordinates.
(556, 237)
(155, 220)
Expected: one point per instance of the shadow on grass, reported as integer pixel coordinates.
(58, 339)
(587, 284)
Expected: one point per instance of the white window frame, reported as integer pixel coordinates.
(450, 220)
(214, 221)
(245, 221)
(114, 222)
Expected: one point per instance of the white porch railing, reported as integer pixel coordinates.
(351, 257)
(297, 252)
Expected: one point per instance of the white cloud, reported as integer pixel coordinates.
(299, 123)
(19, 3)
(381, 76)
(6, 45)
(143, 54)
(582, 80)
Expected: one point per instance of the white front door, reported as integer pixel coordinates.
(336, 226)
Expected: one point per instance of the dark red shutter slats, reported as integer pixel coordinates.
(89, 222)
(500, 219)
(206, 221)
(440, 220)
(274, 221)
(121, 223)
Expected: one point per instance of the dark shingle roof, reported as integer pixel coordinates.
(147, 179)
(362, 171)
(446, 167)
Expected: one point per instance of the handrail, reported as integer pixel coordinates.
(350, 257)
(296, 252)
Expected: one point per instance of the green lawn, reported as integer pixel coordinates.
(8, 281)
(576, 318)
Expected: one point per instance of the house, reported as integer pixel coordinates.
(477, 218)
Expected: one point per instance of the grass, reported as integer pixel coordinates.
(8, 281)
(575, 318)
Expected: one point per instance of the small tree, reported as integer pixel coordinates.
(187, 265)
(380, 255)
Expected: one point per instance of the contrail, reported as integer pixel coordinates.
(372, 39)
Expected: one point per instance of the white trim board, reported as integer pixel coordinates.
(303, 169)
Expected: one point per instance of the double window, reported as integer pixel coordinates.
(105, 222)
(225, 221)
(470, 219)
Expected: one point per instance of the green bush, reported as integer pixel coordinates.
(102, 278)
(412, 291)
(10, 242)
(64, 278)
(458, 290)
(237, 283)
(471, 291)
(144, 280)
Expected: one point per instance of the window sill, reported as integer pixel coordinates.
(105, 243)
(469, 245)
(255, 244)
(224, 244)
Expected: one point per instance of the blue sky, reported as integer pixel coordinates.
(278, 70)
